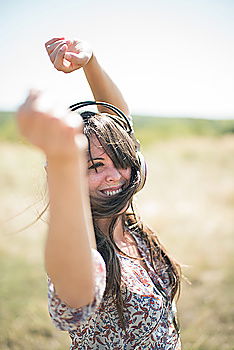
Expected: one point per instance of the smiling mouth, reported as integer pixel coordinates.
(111, 193)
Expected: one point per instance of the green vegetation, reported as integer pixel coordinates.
(148, 129)
(8, 129)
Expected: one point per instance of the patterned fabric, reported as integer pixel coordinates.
(148, 310)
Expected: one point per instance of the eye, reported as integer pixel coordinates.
(96, 165)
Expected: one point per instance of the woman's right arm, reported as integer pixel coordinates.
(70, 239)
(70, 55)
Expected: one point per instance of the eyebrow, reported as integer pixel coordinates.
(89, 160)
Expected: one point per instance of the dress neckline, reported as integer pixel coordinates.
(141, 253)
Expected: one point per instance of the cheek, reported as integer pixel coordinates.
(126, 173)
(94, 181)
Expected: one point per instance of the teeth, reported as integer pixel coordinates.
(112, 193)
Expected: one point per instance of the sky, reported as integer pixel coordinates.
(168, 57)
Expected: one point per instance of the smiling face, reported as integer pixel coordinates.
(104, 178)
(113, 167)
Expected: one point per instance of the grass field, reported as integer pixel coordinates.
(188, 199)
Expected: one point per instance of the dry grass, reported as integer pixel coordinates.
(188, 199)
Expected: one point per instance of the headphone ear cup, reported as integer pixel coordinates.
(143, 170)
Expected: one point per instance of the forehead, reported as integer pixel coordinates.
(96, 149)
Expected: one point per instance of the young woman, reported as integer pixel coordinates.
(111, 283)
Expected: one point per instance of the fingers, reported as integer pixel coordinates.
(54, 134)
(32, 96)
(60, 49)
(60, 63)
(51, 43)
(28, 104)
(74, 120)
(33, 106)
(68, 55)
(75, 57)
(51, 48)
(54, 46)
(76, 60)
(56, 50)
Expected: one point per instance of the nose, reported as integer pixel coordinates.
(113, 175)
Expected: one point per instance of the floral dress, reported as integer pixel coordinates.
(147, 308)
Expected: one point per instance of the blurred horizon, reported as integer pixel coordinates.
(175, 116)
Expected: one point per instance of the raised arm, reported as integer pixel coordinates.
(70, 55)
(70, 237)
(103, 88)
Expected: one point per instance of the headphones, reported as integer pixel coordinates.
(128, 127)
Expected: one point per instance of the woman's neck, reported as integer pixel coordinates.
(104, 225)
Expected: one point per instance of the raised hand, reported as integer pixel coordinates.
(68, 55)
(52, 135)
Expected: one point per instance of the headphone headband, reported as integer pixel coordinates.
(113, 108)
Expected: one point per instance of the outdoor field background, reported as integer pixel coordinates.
(188, 199)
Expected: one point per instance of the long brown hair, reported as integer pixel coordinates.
(120, 147)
